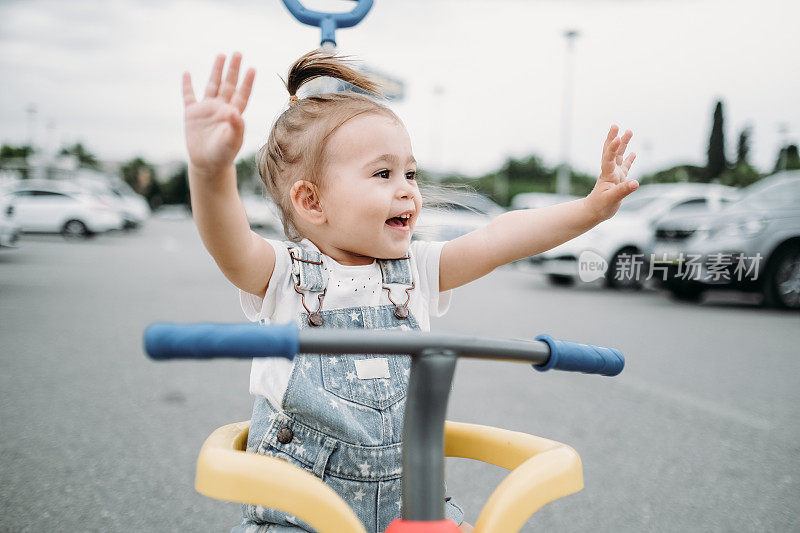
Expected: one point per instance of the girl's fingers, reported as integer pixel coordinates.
(627, 187)
(216, 75)
(188, 92)
(232, 78)
(242, 95)
(610, 152)
(626, 166)
(626, 138)
(612, 133)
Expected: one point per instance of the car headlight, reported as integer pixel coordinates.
(747, 227)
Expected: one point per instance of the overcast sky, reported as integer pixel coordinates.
(108, 73)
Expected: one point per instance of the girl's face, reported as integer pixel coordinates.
(369, 194)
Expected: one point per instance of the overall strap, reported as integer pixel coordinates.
(307, 269)
(398, 271)
(309, 275)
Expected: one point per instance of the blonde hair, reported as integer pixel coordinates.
(296, 143)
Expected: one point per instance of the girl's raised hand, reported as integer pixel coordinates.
(214, 125)
(613, 184)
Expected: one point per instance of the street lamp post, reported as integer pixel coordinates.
(563, 176)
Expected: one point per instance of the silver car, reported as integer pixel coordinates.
(455, 213)
(753, 245)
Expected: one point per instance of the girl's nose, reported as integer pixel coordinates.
(404, 190)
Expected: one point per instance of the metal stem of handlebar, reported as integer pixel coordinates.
(403, 343)
(423, 448)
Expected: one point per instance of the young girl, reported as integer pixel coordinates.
(341, 170)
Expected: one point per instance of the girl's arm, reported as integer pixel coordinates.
(518, 234)
(214, 133)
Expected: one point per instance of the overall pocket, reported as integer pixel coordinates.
(379, 383)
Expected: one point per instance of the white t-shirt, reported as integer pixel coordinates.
(348, 286)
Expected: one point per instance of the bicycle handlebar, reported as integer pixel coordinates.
(244, 341)
(329, 22)
(210, 341)
(576, 357)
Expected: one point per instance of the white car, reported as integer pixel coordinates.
(261, 212)
(52, 208)
(9, 230)
(456, 215)
(619, 244)
(535, 200)
(132, 206)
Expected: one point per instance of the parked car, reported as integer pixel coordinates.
(261, 212)
(457, 215)
(9, 230)
(132, 206)
(535, 200)
(753, 245)
(54, 208)
(618, 241)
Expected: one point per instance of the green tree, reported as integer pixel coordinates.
(247, 179)
(84, 157)
(788, 159)
(677, 174)
(743, 146)
(717, 163)
(522, 175)
(176, 190)
(16, 158)
(141, 176)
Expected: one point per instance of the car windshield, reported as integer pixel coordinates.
(781, 194)
(632, 205)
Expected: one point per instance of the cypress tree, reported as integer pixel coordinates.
(716, 146)
(743, 147)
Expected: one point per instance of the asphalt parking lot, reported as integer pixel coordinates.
(699, 433)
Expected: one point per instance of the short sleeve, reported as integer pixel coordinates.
(256, 308)
(427, 255)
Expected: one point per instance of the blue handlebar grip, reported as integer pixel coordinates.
(208, 341)
(576, 357)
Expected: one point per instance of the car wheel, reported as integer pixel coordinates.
(686, 294)
(560, 280)
(130, 225)
(782, 283)
(75, 229)
(615, 275)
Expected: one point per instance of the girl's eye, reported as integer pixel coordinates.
(412, 175)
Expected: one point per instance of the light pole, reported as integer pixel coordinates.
(563, 176)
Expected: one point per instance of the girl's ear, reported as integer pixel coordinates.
(305, 199)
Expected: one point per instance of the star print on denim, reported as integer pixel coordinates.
(350, 428)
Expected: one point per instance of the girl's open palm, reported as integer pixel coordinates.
(613, 184)
(214, 125)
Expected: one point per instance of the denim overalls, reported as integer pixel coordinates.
(341, 417)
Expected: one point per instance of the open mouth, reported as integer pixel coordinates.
(399, 222)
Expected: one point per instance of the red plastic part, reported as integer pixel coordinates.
(399, 525)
